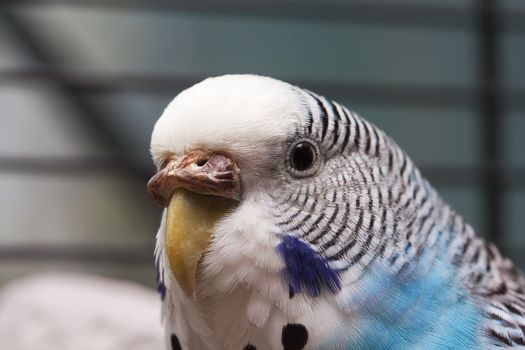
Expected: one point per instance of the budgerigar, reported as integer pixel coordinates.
(292, 223)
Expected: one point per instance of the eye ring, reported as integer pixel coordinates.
(303, 158)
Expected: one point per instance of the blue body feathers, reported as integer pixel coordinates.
(421, 307)
(412, 311)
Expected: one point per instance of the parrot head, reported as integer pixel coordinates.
(274, 191)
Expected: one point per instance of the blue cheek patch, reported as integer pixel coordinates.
(305, 270)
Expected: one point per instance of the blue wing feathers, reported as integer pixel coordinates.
(414, 310)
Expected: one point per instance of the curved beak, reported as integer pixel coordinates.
(197, 189)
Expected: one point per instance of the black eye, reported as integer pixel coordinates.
(303, 158)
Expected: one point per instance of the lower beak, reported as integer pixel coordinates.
(190, 220)
(197, 189)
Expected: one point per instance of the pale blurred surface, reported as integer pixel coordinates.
(81, 312)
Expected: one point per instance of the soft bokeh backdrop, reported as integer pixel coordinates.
(82, 83)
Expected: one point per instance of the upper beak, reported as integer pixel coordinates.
(197, 188)
(197, 171)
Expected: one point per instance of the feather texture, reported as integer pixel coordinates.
(360, 252)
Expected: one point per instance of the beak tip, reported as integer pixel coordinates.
(187, 284)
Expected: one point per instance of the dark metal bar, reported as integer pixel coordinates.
(84, 165)
(170, 84)
(399, 13)
(490, 106)
(78, 253)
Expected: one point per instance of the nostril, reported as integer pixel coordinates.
(201, 162)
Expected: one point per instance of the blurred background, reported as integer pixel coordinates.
(83, 81)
